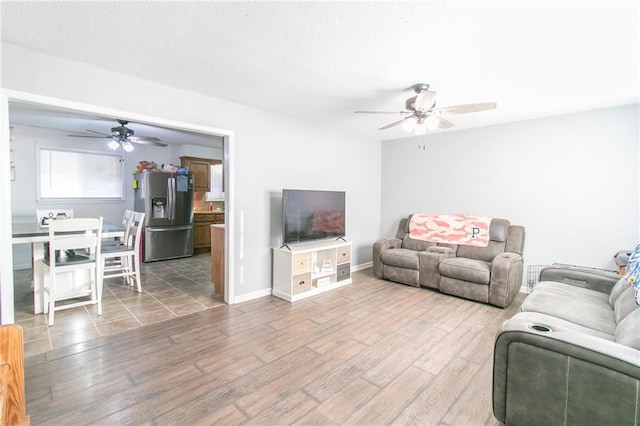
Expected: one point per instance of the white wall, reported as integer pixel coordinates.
(271, 152)
(571, 180)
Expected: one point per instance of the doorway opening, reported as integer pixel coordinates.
(50, 107)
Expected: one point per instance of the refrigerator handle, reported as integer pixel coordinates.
(173, 198)
(169, 200)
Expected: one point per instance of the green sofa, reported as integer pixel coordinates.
(572, 355)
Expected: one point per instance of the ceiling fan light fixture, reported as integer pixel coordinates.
(420, 130)
(113, 144)
(409, 124)
(126, 145)
(431, 122)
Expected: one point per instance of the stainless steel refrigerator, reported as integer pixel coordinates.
(167, 200)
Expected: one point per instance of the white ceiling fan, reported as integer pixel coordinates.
(122, 136)
(422, 115)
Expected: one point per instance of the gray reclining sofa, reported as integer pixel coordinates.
(572, 355)
(491, 274)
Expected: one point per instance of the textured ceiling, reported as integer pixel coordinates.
(320, 61)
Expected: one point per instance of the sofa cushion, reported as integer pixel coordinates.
(486, 254)
(515, 239)
(475, 271)
(579, 305)
(627, 330)
(617, 290)
(625, 304)
(401, 257)
(411, 244)
(498, 230)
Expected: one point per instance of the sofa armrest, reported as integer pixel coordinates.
(506, 278)
(380, 247)
(542, 377)
(593, 279)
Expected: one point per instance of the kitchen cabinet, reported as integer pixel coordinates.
(201, 169)
(202, 230)
(217, 258)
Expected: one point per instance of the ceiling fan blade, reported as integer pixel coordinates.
(395, 123)
(444, 123)
(99, 133)
(90, 136)
(462, 109)
(146, 141)
(425, 100)
(383, 112)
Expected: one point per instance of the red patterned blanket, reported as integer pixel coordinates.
(462, 229)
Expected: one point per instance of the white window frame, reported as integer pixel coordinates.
(78, 199)
(213, 195)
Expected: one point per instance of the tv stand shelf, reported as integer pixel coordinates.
(307, 269)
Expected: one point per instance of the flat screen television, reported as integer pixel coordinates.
(309, 215)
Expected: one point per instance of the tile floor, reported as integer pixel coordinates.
(170, 289)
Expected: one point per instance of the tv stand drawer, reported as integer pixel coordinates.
(301, 263)
(344, 254)
(301, 283)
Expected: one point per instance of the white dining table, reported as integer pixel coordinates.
(32, 233)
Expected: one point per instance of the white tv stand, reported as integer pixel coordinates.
(307, 269)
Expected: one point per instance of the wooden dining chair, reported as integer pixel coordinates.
(74, 249)
(124, 260)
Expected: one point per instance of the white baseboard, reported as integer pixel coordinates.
(268, 291)
(362, 266)
(253, 295)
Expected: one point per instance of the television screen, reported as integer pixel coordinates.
(312, 215)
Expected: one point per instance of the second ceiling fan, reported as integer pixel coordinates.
(422, 115)
(123, 136)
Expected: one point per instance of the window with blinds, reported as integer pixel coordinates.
(67, 174)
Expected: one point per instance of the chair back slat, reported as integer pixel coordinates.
(66, 242)
(76, 233)
(127, 220)
(135, 229)
(75, 225)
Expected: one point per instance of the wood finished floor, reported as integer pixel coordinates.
(371, 353)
